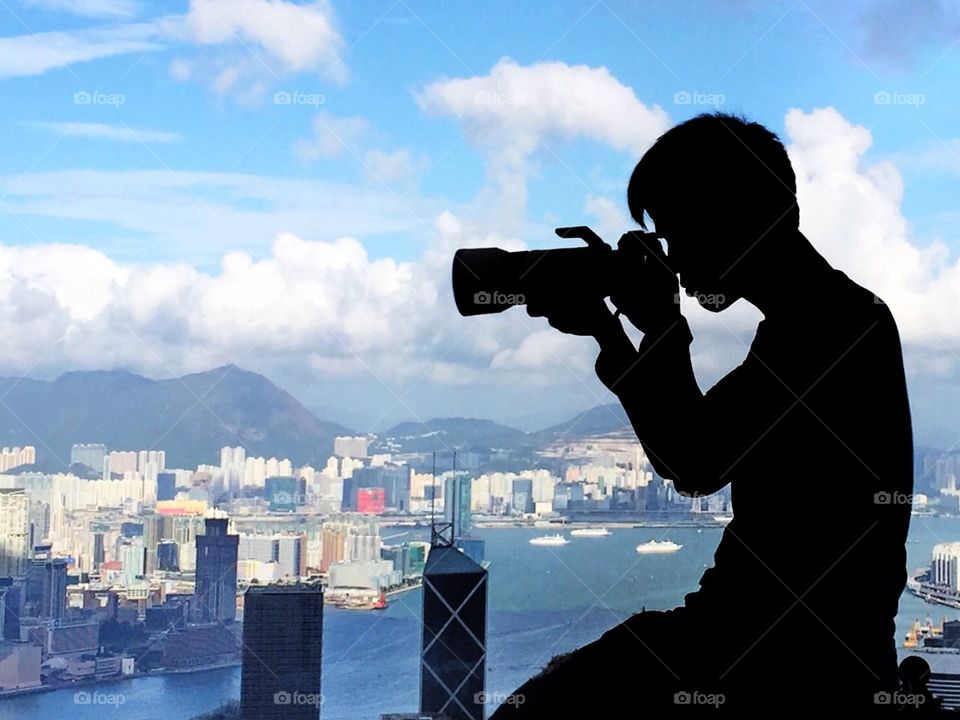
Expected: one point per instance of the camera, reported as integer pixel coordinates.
(491, 280)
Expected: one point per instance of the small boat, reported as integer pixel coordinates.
(363, 604)
(722, 519)
(549, 540)
(658, 546)
(591, 532)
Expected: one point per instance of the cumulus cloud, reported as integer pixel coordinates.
(512, 111)
(851, 209)
(292, 37)
(306, 297)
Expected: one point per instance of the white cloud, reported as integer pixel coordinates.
(332, 136)
(295, 37)
(180, 69)
(851, 210)
(37, 53)
(162, 215)
(89, 8)
(515, 109)
(398, 166)
(116, 133)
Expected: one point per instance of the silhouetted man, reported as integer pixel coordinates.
(812, 432)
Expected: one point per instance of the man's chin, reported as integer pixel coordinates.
(715, 301)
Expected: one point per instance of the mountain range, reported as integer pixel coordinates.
(193, 416)
(190, 417)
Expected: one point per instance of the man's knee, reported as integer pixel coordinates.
(628, 654)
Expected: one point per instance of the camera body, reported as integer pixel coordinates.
(491, 280)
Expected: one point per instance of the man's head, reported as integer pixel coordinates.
(721, 191)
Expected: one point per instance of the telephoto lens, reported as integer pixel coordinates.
(491, 280)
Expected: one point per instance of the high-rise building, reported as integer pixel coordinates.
(54, 600)
(453, 654)
(10, 608)
(168, 556)
(166, 486)
(282, 642)
(456, 502)
(89, 454)
(284, 493)
(393, 478)
(15, 457)
(122, 461)
(216, 574)
(370, 500)
(352, 447)
(287, 551)
(523, 495)
(132, 555)
(14, 532)
(333, 547)
(157, 459)
(97, 549)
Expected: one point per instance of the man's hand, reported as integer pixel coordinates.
(647, 290)
(576, 315)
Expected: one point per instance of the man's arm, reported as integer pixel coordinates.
(674, 421)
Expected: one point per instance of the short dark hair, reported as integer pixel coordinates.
(717, 163)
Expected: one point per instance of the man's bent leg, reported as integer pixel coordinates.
(638, 658)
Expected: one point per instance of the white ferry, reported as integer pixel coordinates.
(722, 519)
(658, 546)
(549, 540)
(591, 532)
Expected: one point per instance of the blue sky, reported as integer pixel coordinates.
(156, 151)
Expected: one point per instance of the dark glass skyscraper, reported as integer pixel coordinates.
(282, 652)
(454, 653)
(54, 596)
(216, 589)
(166, 486)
